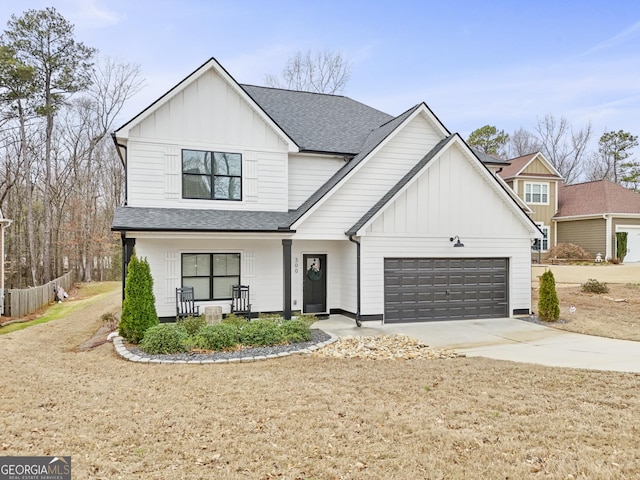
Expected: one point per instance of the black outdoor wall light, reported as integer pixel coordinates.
(458, 243)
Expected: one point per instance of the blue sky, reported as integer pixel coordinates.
(503, 63)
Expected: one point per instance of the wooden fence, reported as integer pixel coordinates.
(23, 301)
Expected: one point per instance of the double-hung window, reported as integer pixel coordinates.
(542, 244)
(211, 175)
(536, 193)
(211, 274)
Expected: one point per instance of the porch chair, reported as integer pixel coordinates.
(185, 304)
(240, 303)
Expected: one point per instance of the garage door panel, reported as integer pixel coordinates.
(428, 289)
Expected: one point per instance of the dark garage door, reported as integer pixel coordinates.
(427, 289)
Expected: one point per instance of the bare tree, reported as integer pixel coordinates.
(319, 72)
(563, 146)
(43, 40)
(522, 142)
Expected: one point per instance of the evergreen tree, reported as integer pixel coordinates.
(548, 306)
(139, 304)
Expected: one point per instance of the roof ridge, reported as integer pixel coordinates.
(295, 91)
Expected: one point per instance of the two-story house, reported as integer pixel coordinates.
(587, 214)
(536, 181)
(320, 204)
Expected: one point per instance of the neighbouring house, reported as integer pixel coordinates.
(590, 214)
(319, 204)
(536, 182)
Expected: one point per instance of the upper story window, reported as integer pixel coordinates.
(536, 193)
(211, 175)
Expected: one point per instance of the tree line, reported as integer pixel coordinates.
(567, 148)
(60, 176)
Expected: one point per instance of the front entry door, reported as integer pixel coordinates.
(314, 285)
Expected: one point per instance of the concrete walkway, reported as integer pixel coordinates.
(506, 339)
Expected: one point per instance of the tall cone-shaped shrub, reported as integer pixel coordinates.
(139, 304)
(548, 307)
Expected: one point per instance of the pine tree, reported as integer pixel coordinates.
(139, 305)
(548, 306)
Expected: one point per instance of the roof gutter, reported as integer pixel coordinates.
(358, 312)
(123, 160)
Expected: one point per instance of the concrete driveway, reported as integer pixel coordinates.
(506, 339)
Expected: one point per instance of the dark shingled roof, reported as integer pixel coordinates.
(319, 122)
(191, 220)
(372, 141)
(398, 186)
(490, 159)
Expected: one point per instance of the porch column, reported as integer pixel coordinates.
(286, 266)
(128, 244)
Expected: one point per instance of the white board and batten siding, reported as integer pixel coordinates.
(307, 173)
(260, 268)
(208, 114)
(340, 261)
(448, 198)
(370, 181)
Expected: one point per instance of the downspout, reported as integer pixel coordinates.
(608, 242)
(358, 314)
(123, 160)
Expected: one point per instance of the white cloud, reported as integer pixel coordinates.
(618, 39)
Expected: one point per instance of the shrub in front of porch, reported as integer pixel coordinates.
(165, 338)
(139, 304)
(168, 338)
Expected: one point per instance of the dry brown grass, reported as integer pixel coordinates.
(599, 314)
(309, 418)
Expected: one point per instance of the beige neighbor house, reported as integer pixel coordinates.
(586, 214)
(591, 213)
(319, 204)
(536, 182)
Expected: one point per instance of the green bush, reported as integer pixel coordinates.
(548, 306)
(294, 331)
(259, 333)
(139, 304)
(308, 318)
(192, 324)
(221, 336)
(621, 245)
(237, 320)
(594, 286)
(165, 338)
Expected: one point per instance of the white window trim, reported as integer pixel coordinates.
(545, 229)
(542, 184)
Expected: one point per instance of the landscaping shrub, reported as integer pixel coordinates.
(621, 245)
(139, 304)
(294, 331)
(570, 251)
(237, 320)
(548, 306)
(110, 320)
(165, 338)
(221, 336)
(260, 333)
(308, 318)
(192, 324)
(594, 286)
